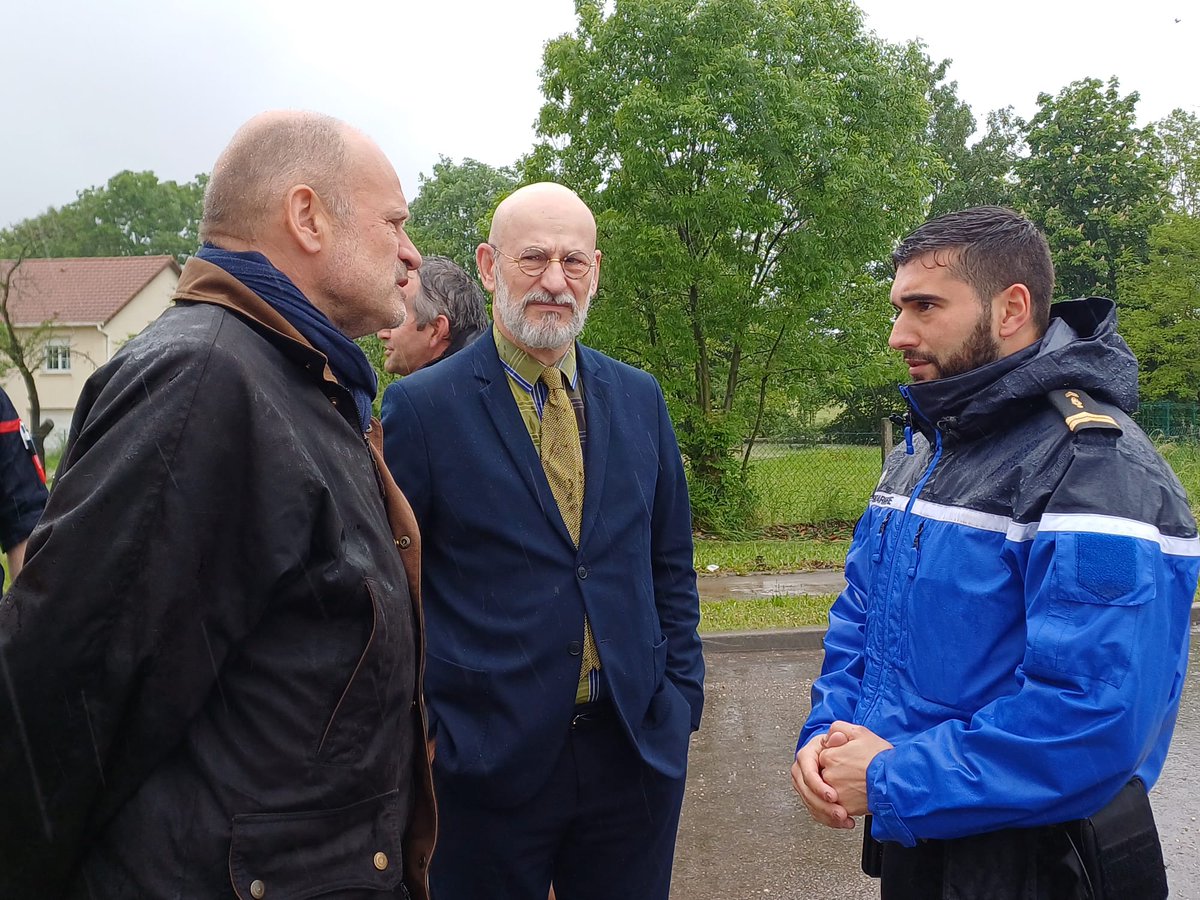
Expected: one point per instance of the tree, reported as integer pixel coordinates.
(24, 350)
(133, 214)
(1160, 316)
(980, 174)
(1180, 136)
(453, 209)
(747, 159)
(1094, 184)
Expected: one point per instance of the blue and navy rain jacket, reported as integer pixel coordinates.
(1016, 615)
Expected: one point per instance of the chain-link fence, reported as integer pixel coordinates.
(817, 481)
(830, 478)
(1165, 420)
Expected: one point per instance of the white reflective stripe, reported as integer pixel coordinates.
(1018, 532)
(960, 515)
(956, 515)
(1094, 524)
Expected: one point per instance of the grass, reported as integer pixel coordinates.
(770, 612)
(1185, 460)
(744, 557)
(814, 484)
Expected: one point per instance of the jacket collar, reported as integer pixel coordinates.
(203, 282)
(1080, 349)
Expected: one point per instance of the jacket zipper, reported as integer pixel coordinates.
(906, 597)
(901, 651)
(878, 554)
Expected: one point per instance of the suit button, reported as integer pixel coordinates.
(258, 890)
(404, 543)
(381, 861)
(582, 572)
(421, 860)
(574, 648)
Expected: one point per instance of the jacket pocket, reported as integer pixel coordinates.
(349, 851)
(1093, 611)
(461, 704)
(346, 733)
(658, 661)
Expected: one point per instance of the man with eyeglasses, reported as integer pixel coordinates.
(564, 671)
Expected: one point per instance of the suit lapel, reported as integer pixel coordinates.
(597, 405)
(497, 399)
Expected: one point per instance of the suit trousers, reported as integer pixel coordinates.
(602, 827)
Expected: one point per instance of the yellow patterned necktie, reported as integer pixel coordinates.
(562, 460)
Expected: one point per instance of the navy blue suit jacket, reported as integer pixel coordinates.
(505, 589)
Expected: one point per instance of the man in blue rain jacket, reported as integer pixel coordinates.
(1010, 648)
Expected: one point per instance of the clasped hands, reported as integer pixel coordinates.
(830, 773)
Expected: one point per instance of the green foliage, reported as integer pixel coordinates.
(452, 212)
(981, 174)
(772, 612)
(1160, 311)
(1093, 182)
(134, 214)
(866, 405)
(1179, 133)
(1184, 458)
(722, 499)
(747, 159)
(800, 555)
(373, 348)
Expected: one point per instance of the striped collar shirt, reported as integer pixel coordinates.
(530, 393)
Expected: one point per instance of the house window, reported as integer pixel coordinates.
(58, 355)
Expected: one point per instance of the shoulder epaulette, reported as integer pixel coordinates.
(1080, 411)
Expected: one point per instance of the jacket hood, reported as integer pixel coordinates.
(1080, 349)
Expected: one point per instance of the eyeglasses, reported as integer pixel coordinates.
(534, 262)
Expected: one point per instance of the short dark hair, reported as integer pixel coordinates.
(447, 290)
(990, 248)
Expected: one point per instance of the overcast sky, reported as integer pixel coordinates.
(94, 88)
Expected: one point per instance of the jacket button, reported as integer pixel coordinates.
(574, 648)
(404, 543)
(258, 890)
(381, 861)
(582, 572)
(421, 861)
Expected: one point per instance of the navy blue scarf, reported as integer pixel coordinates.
(346, 359)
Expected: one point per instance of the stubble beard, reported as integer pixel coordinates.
(363, 307)
(979, 349)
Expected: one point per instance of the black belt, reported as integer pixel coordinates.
(595, 713)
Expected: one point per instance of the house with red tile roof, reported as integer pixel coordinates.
(78, 312)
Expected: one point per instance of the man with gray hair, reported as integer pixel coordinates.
(446, 310)
(211, 660)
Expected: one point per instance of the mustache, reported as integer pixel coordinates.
(539, 295)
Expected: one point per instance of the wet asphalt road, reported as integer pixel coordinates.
(744, 833)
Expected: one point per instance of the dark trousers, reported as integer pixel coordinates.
(1033, 864)
(602, 828)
